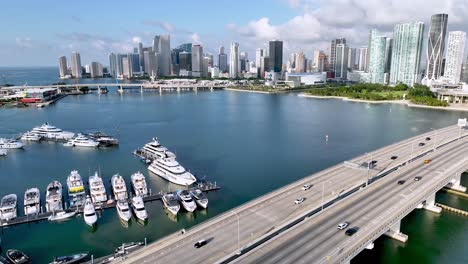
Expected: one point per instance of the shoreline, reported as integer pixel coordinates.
(401, 102)
(248, 91)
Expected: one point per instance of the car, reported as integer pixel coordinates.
(401, 182)
(428, 138)
(299, 200)
(373, 162)
(427, 161)
(306, 187)
(351, 231)
(394, 157)
(342, 225)
(421, 144)
(200, 243)
(417, 178)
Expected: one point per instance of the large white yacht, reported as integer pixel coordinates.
(186, 200)
(119, 187)
(50, 132)
(31, 136)
(81, 141)
(138, 207)
(10, 144)
(76, 191)
(32, 201)
(123, 210)
(8, 207)
(139, 184)
(154, 150)
(171, 203)
(171, 170)
(199, 197)
(54, 197)
(97, 189)
(89, 212)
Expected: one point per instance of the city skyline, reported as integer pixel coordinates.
(252, 28)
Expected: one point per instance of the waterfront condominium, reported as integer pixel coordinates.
(275, 56)
(455, 54)
(406, 53)
(222, 60)
(436, 46)
(377, 47)
(234, 60)
(362, 59)
(63, 68)
(197, 61)
(341, 61)
(332, 57)
(76, 65)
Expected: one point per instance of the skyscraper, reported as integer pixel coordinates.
(96, 69)
(76, 65)
(455, 54)
(332, 57)
(151, 62)
(140, 56)
(222, 60)
(234, 60)
(63, 68)
(197, 61)
(436, 46)
(377, 44)
(187, 47)
(362, 63)
(164, 57)
(341, 61)
(113, 64)
(259, 53)
(388, 54)
(300, 62)
(275, 59)
(406, 53)
(185, 61)
(243, 61)
(352, 58)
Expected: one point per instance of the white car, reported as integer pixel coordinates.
(299, 201)
(343, 225)
(306, 187)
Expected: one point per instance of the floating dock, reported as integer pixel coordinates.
(453, 210)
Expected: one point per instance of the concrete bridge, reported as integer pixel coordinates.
(363, 191)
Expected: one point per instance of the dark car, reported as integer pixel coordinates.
(200, 243)
(401, 182)
(417, 178)
(351, 231)
(428, 138)
(421, 144)
(394, 157)
(373, 162)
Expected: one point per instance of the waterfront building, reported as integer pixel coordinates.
(264, 66)
(134, 60)
(119, 69)
(259, 53)
(436, 46)
(234, 61)
(187, 47)
(243, 62)
(359, 77)
(197, 61)
(377, 48)
(151, 62)
(63, 68)
(185, 61)
(352, 58)
(95, 69)
(127, 68)
(206, 65)
(76, 65)
(141, 57)
(297, 79)
(164, 55)
(275, 59)
(455, 54)
(222, 60)
(332, 57)
(113, 64)
(301, 61)
(341, 61)
(320, 61)
(464, 73)
(388, 59)
(362, 59)
(406, 53)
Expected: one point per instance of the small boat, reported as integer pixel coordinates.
(17, 257)
(81, 141)
(171, 203)
(31, 136)
(89, 212)
(199, 197)
(3, 152)
(103, 139)
(97, 189)
(138, 207)
(119, 187)
(76, 258)
(10, 144)
(139, 184)
(32, 201)
(123, 210)
(60, 216)
(54, 197)
(76, 191)
(127, 248)
(8, 207)
(186, 200)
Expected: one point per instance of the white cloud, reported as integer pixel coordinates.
(24, 42)
(136, 40)
(196, 38)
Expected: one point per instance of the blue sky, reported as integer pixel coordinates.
(36, 33)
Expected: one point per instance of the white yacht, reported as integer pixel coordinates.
(154, 150)
(32, 201)
(171, 202)
(10, 144)
(171, 170)
(123, 210)
(199, 197)
(8, 207)
(76, 190)
(31, 136)
(81, 141)
(186, 200)
(89, 212)
(119, 187)
(50, 132)
(97, 189)
(54, 197)
(139, 184)
(138, 207)
(61, 216)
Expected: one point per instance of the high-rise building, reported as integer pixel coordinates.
(377, 45)
(185, 61)
(127, 67)
(151, 62)
(76, 65)
(259, 53)
(436, 46)
(406, 53)
(264, 66)
(300, 62)
(63, 68)
(320, 61)
(222, 60)
(388, 54)
(362, 59)
(141, 57)
(341, 61)
(113, 64)
(352, 58)
(119, 68)
(455, 54)
(332, 57)
(243, 62)
(187, 47)
(275, 58)
(234, 68)
(197, 61)
(205, 65)
(96, 69)
(164, 57)
(464, 74)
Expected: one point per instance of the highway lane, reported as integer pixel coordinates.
(313, 239)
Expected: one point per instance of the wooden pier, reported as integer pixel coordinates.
(205, 187)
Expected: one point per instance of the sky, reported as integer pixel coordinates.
(36, 33)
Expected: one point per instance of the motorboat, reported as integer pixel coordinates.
(123, 210)
(32, 201)
(9, 143)
(154, 150)
(76, 258)
(51, 132)
(186, 200)
(138, 207)
(171, 170)
(127, 248)
(61, 216)
(81, 141)
(199, 197)
(3, 152)
(76, 190)
(104, 139)
(119, 187)
(54, 197)
(171, 202)
(31, 136)
(97, 189)
(8, 207)
(17, 257)
(89, 212)
(139, 184)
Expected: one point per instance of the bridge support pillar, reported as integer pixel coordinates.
(99, 89)
(430, 205)
(370, 246)
(394, 232)
(141, 89)
(455, 184)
